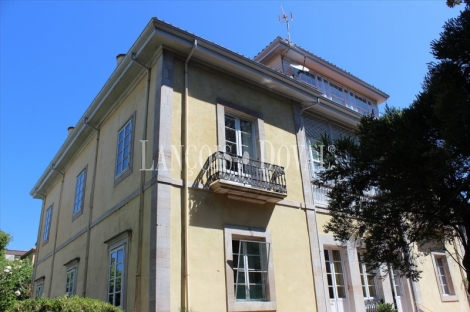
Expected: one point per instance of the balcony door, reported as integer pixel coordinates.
(239, 143)
(336, 281)
(399, 292)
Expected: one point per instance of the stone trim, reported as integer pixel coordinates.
(116, 207)
(71, 239)
(250, 234)
(302, 149)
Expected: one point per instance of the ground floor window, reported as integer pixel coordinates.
(116, 275)
(71, 281)
(368, 279)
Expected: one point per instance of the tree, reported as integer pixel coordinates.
(15, 277)
(416, 164)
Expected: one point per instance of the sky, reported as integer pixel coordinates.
(55, 56)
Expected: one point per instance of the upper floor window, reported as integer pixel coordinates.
(47, 225)
(124, 148)
(239, 137)
(79, 193)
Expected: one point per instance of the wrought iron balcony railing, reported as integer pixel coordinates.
(371, 304)
(249, 172)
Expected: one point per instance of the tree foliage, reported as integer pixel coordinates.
(416, 164)
(15, 277)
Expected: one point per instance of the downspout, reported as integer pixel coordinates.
(141, 192)
(319, 251)
(90, 216)
(56, 228)
(185, 183)
(38, 241)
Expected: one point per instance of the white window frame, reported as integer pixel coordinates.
(115, 247)
(248, 234)
(238, 139)
(364, 279)
(71, 286)
(79, 198)
(46, 231)
(452, 295)
(38, 288)
(125, 172)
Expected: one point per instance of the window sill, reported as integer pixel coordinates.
(252, 306)
(449, 298)
(77, 214)
(122, 176)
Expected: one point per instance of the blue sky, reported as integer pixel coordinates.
(55, 57)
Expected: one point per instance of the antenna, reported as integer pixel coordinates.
(287, 20)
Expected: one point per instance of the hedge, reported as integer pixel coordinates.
(64, 304)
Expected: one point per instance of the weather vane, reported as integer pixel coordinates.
(286, 19)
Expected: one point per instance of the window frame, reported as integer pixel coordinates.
(48, 222)
(257, 118)
(115, 246)
(76, 214)
(72, 268)
(118, 178)
(365, 281)
(39, 282)
(452, 296)
(248, 234)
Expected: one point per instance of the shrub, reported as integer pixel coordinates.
(64, 304)
(386, 307)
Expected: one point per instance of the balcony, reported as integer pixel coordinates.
(371, 304)
(320, 195)
(246, 179)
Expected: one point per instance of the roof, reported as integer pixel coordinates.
(320, 59)
(15, 252)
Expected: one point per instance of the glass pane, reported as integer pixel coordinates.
(111, 285)
(256, 292)
(126, 140)
(229, 122)
(240, 290)
(341, 292)
(230, 135)
(336, 255)
(364, 291)
(125, 163)
(231, 148)
(235, 246)
(119, 256)
(121, 136)
(330, 280)
(119, 270)
(446, 290)
(241, 277)
(118, 283)
(126, 151)
(338, 268)
(118, 300)
(255, 278)
(372, 292)
(252, 248)
(254, 262)
(245, 126)
(332, 294)
(327, 256)
(128, 127)
(339, 279)
(110, 299)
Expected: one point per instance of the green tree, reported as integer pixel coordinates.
(15, 277)
(416, 163)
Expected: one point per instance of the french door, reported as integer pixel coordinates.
(398, 291)
(239, 143)
(336, 281)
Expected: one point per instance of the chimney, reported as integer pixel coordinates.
(70, 130)
(119, 58)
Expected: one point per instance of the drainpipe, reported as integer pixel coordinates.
(56, 228)
(38, 241)
(92, 198)
(319, 251)
(141, 192)
(185, 183)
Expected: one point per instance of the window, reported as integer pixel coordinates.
(369, 283)
(124, 150)
(47, 225)
(316, 150)
(444, 278)
(39, 287)
(249, 270)
(116, 275)
(79, 194)
(239, 137)
(334, 274)
(71, 281)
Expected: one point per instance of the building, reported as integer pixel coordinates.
(14, 254)
(187, 184)
(30, 254)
